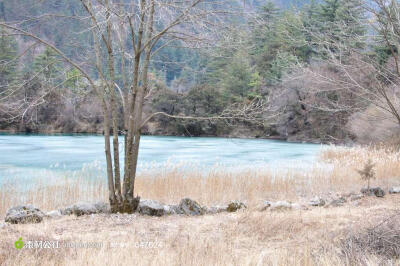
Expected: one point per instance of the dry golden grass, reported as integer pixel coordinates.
(336, 171)
(251, 237)
(297, 237)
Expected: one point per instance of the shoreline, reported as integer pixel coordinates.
(304, 219)
(277, 138)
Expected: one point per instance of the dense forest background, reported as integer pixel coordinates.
(276, 54)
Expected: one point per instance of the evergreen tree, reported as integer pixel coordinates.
(8, 60)
(342, 23)
(279, 42)
(309, 17)
(237, 78)
(47, 64)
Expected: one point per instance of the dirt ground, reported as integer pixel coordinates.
(249, 237)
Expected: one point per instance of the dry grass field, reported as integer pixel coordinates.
(363, 232)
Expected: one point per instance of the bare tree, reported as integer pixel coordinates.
(149, 25)
(347, 78)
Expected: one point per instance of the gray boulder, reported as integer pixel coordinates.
(356, 197)
(337, 202)
(84, 208)
(190, 207)
(377, 191)
(102, 207)
(151, 208)
(394, 190)
(316, 202)
(24, 214)
(172, 209)
(235, 206)
(54, 214)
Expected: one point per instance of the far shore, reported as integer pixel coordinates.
(279, 138)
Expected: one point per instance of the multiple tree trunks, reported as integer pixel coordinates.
(142, 23)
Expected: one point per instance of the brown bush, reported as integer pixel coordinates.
(381, 240)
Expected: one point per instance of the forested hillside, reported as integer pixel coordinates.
(325, 71)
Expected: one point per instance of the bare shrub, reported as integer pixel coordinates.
(372, 125)
(382, 240)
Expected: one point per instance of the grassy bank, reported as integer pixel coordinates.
(318, 236)
(335, 172)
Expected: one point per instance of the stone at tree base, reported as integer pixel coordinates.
(394, 190)
(190, 207)
(24, 214)
(151, 208)
(102, 207)
(377, 191)
(316, 202)
(236, 205)
(84, 208)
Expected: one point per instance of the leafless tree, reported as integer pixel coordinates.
(347, 78)
(149, 25)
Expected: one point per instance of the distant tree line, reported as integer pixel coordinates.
(329, 68)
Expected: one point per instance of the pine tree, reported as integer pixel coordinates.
(279, 42)
(352, 15)
(342, 22)
(8, 61)
(47, 64)
(309, 16)
(329, 11)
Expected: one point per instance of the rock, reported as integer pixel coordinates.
(172, 209)
(84, 208)
(337, 202)
(217, 209)
(54, 214)
(2, 225)
(190, 207)
(316, 202)
(394, 190)
(377, 191)
(266, 204)
(102, 207)
(236, 205)
(281, 206)
(24, 214)
(151, 208)
(356, 197)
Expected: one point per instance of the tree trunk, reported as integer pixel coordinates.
(114, 115)
(140, 100)
(106, 123)
(129, 202)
